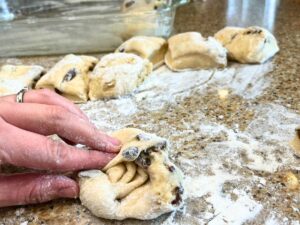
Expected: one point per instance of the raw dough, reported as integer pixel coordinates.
(70, 77)
(15, 78)
(151, 48)
(248, 45)
(139, 183)
(142, 5)
(296, 142)
(118, 74)
(190, 51)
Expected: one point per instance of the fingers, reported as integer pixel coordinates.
(30, 150)
(47, 97)
(24, 189)
(48, 120)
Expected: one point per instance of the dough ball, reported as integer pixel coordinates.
(142, 5)
(190, 51)
(118, 74)
(70, 77)
(248, 45)
(151, 48)
(140, 182)
(14, 78)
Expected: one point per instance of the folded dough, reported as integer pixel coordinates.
(70, 77)
(151, 48)
(14, 78)
(248, 45)
(190, 51)
(139, 183)
(118, 74)
(295, 143)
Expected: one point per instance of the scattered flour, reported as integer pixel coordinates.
(262, 146)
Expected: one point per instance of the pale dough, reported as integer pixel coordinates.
(295, 143)
(14, 78)
(151, 48)
(118, 74)
(139, 183)
(70, 77)
(142, 5)
(190, 51)
(248, 45)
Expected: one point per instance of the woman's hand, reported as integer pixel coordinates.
(24, 128)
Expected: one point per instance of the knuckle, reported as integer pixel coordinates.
(57, 114)
(57, 153)
(39, 192)
(46, 92)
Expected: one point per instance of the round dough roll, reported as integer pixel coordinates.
(151, 48)
(118, 74)
(190, 51)
(248, 45)
(139, 183)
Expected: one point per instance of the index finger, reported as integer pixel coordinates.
(23, 148)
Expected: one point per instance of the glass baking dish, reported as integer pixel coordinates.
(43, 27)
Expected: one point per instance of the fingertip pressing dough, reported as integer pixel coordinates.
(70, 77)
(248, 45)
(295, 143)
(14, 78)
(190, 51)
(118, 74)
(151, 48)
(140, 182)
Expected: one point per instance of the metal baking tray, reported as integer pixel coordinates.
(47, 27)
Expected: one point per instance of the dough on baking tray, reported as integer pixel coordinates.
(14, 78)
(151, 48)
(70, 77)
(118, 74)
(248, 45)
(190, 51)
(141, 182)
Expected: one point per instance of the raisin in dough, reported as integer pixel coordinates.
(151, 48)
(139, 183)
(118, 74)
(296, 142)
(248, 45)
(14, 78)
(70, 77)
(142, 5)
(190, 51)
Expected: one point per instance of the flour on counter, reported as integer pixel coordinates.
(209, 165)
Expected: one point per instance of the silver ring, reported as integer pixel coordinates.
(20, 95)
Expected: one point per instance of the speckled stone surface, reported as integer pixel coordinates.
(230, 138)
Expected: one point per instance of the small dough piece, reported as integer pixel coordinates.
(118, 74)
(14, 78)
(70, 77)
(151, 48)
(142, 5)
(295, 143)
(190, 51)
(140, 182)
(248, 45)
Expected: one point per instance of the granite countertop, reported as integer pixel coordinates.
(229, 129)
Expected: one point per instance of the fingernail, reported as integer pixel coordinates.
(69, 192)
(114, 141)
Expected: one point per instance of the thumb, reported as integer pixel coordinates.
(21, 189)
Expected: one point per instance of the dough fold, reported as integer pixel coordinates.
(151, 48)
(70, 77)
(190, 51)
(14, 78)
(248, 45)
(140, 182)
(118, 74)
